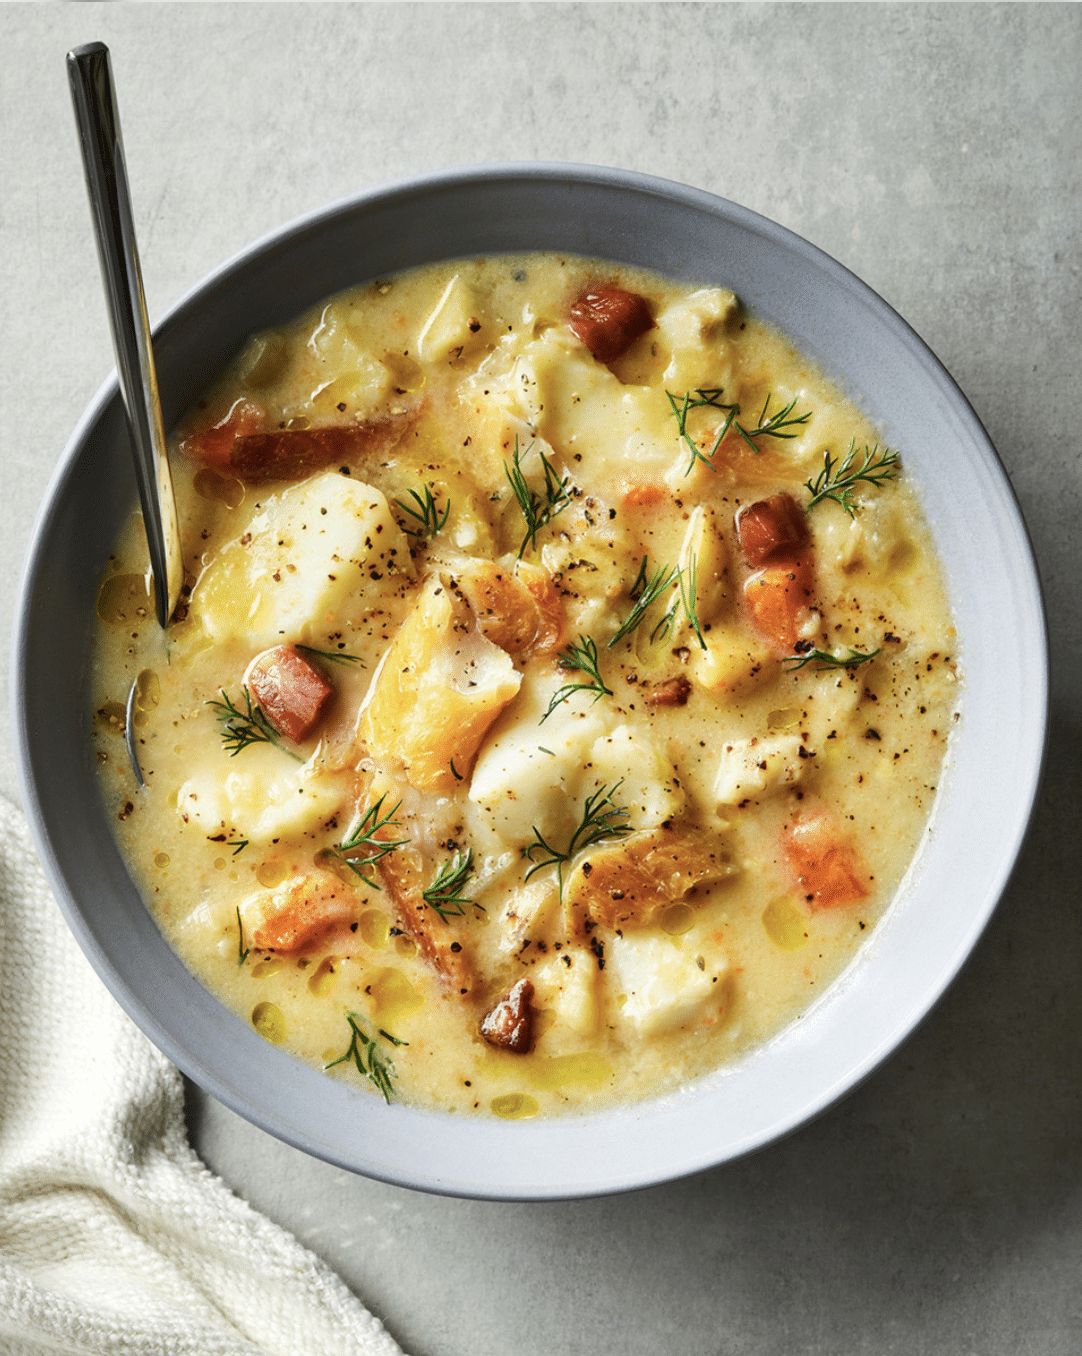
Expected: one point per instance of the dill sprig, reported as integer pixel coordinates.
(703, 396)
(684, 600)
(443, 894)
(250, 726)
(331, 656)
(372, 1063)
(581, 657)
(600, 819)
(426, 514)
(781, 424)
(645, 591)
(775, 425)
(689, 598)
(827, 659)
(537, 509)
(837, 482)
(242, 950)
(363, 848)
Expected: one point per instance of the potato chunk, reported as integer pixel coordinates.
(455, 327)
(307, 552)
(567, 984)
(437, 692)
(750, 768)
(261, 795)
(662, 986)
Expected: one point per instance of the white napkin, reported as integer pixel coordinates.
(114, 1237)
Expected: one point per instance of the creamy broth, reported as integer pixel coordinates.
(624, 735)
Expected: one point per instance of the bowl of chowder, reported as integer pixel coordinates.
(606, 701)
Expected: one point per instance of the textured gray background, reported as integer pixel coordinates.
(935, 150)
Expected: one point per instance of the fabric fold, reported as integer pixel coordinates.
(115, 1238)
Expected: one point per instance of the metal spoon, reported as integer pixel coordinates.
(98, 121)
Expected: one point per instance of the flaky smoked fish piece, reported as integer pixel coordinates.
(303, 913)
(402, 875)
(519, 610)
(438, 691)
(631, 882)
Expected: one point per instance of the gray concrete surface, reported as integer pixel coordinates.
(935, 150)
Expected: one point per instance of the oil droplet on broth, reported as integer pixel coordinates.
(677, 919)
(125, 598)
(112, 717)
(514, 1106)
(375, 928)
(271, 873)
(408, 375)
(405, 946)
(785, 924)
(269, 1020)
(393, 996)
(784, 719)
(161, 859)
(148, 693)
(266, 968)
(558, 1071)
(322, 982)
(221, 489)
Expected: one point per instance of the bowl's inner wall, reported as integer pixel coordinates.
(875, 358)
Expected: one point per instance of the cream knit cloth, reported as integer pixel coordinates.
(114, 1237)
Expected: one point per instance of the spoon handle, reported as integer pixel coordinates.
(98, 122)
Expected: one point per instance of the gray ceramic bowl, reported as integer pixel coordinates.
(980, 816)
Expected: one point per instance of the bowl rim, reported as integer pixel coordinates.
(411, 1125)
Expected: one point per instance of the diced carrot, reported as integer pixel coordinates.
(290, 691)
(771, 528)
(644, 494)
(779, 598)
(314, 906)
(609, 319)
(827, 868)
(213, 446)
